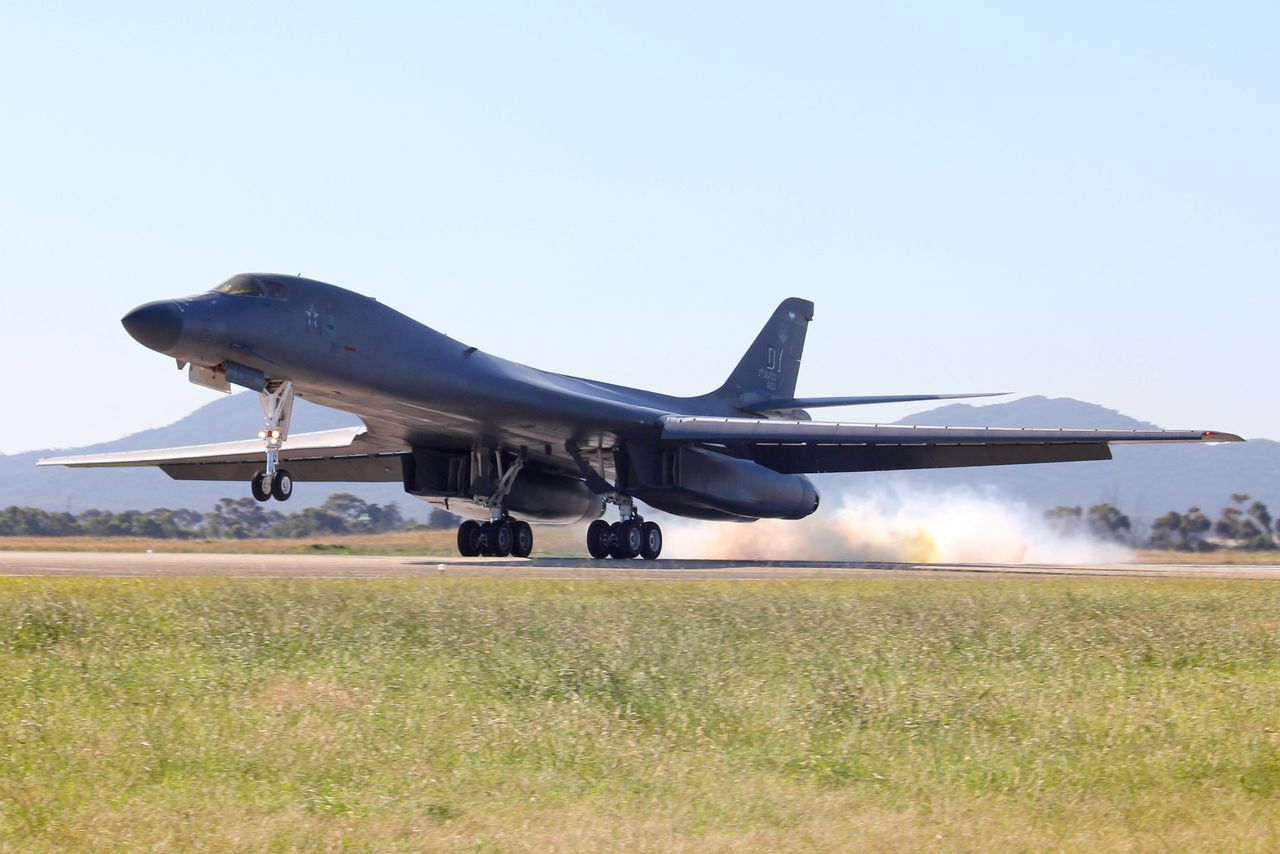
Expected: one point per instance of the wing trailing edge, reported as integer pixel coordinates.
(831, 446)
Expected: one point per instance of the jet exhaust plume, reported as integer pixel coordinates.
(895, 525)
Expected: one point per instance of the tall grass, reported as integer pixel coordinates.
(499, 715)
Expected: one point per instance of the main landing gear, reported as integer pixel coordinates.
(501, 535)
(277, 409)
(629, 538)
(499, 538)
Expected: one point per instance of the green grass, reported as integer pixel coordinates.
(487, 715)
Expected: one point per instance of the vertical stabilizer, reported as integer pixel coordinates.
(769, 368)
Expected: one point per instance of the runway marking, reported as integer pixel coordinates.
(346, 567)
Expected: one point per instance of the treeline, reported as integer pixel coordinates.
(232, 518)
(1243, 524)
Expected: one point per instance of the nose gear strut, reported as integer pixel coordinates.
(277, 410)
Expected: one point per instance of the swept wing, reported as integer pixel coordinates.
(833, 446)
(345, 454)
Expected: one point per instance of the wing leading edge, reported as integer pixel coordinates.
(830, 446)
(345, 454)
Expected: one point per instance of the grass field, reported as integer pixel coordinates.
(199, 714)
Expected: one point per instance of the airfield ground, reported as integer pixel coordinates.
(342, 565)
(551, 543)
(885, 707)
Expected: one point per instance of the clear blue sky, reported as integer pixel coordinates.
(1067, 199)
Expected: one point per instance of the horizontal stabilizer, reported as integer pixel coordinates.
(820, 402)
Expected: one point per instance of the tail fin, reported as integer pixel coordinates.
(769, 368)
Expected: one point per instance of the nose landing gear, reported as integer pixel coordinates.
(277, 410)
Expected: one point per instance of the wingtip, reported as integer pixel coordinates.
(1215, 436)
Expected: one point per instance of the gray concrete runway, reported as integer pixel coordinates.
(141, 565)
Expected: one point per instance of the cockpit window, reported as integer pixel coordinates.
(241, 286)
(245, 285)
(276, 289)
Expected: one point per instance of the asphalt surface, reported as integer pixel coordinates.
(144, 565)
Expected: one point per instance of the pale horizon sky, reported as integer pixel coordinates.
(1078, 200)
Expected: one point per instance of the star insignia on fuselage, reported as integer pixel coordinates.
(313, 319)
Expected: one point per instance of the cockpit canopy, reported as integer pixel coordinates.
(250, 285)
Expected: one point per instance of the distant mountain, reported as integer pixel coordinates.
(1144, 480)
(1037, 411)
(237, 416)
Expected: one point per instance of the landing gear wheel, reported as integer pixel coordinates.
(626, 539)
(259, 487)
(615, 541)
(650, 541)
(469, 539)
(521, 539)
(598, 534)
(281, 486)
(501, 538)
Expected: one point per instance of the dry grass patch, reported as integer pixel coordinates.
(549, 540)
(294, 693)
(1225, 556)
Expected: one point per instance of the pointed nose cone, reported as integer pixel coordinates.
(157, 325)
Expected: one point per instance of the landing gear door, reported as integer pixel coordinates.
(213, 378)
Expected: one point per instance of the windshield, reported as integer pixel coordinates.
(247, 286)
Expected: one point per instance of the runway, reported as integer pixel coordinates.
(168, 565)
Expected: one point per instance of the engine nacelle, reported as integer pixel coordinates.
(704, 484)
(444, 480)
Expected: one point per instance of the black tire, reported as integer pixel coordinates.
(521, 539)
(627, 540)
(615, 542)
(598, 539)
(469, 539)
(258, 486)
(486, 539)
(650, 541)
(501, 538)
(282, 485)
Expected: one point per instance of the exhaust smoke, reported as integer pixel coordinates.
(898, 525)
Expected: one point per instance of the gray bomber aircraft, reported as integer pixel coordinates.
(504, 444)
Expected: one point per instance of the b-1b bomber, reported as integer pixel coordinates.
(504, 445)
